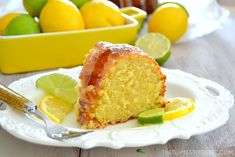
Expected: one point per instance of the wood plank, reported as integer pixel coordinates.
(227, 2)
(11, 146)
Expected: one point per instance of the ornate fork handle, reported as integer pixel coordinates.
(53, 130)
(12, 98)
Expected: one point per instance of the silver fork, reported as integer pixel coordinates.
(53, 130)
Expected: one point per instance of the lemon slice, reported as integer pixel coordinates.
(59, 85)
(54, 108)
(156, 45)
(178, 107)
(154, 116)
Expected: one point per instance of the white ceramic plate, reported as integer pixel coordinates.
(212, 111)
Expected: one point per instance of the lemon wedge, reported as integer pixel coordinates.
(55, 108)
(178, 107)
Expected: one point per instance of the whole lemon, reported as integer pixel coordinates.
(170, 19)
(22, 24)
(60, 15)
(34, 7)
(101, 13)
(5, 20)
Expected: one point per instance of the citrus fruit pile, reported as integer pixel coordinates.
(167, 24)
(61, 15)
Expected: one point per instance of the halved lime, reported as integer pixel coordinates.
(153, 116)
(59, 85)
(156, 45)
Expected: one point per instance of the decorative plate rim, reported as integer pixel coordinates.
(131, 137)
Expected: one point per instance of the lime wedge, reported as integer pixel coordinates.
(59, 85)
(156, 45)
(154, 116)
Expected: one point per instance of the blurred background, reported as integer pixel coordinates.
(205, 16)
(53, 34)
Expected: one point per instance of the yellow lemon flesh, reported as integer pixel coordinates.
(170, 19)
(5, 20)
(55, 108)
(60, 15)
(101, 13)
(178, 107)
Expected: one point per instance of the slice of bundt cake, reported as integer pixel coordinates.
(118, 81)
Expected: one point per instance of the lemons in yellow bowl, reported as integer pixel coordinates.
(170, 19)
(101, 13)
(60, 15)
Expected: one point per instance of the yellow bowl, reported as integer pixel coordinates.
(64, 49)
(136, 13)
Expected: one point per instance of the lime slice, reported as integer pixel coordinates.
(178, 107)
(156, 45)
(59, 85)
(154, 116)
(55, 108)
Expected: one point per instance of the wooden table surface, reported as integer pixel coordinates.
(212, 57)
